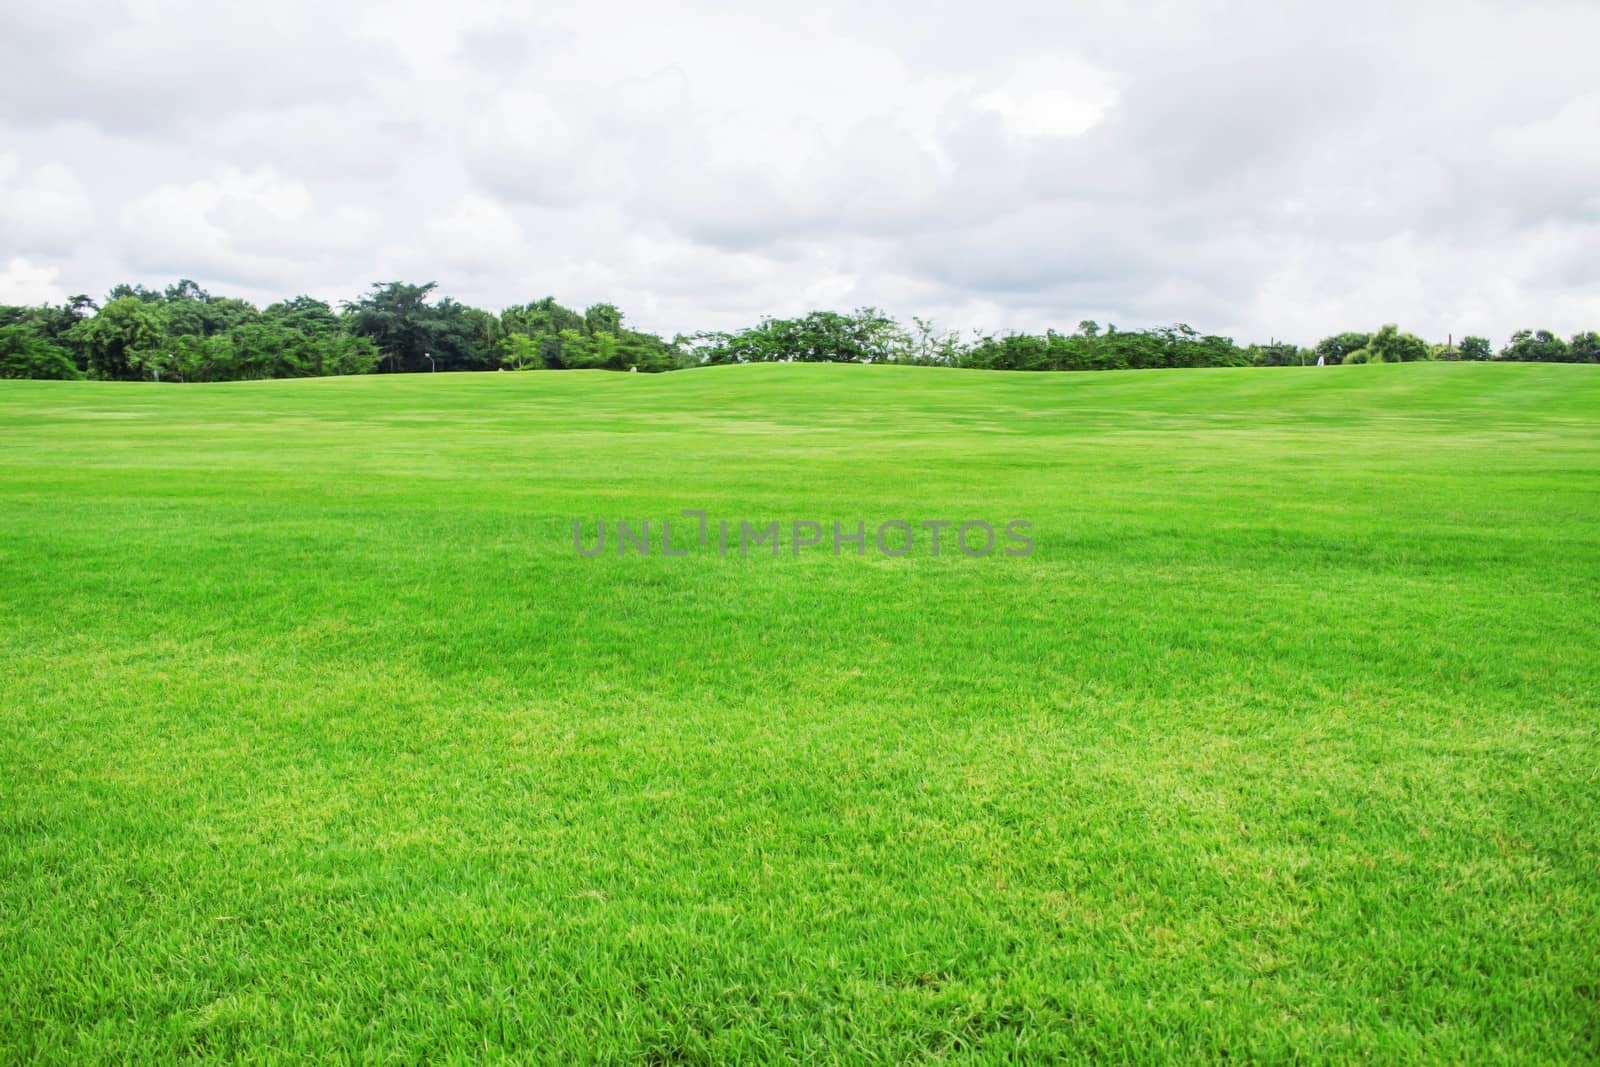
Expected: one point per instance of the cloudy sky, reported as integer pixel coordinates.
(1262, 169)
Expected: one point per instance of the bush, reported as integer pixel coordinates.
(1334, 349)
(24, 354)
(1389, 345)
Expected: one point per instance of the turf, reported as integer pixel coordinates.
(318, 740)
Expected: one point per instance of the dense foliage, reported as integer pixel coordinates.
(183, 333)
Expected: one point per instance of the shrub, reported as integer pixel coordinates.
(24, 354)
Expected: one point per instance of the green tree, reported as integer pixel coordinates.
(118, 339)
(340, 354)
(520, 352)
(1476, 349)
(605, 352)
(1536, 346)
(573, 350)
(1389, 345)
(1277, 354)
(1016, 351)
(1333, 350)
(926, 345)
(137, 292)
(198, 358)
(190, 310)
(599, 318)
(543, 321)
(864, 336)
(305, 314)
(24, 353)
(54, 324)
(464, 337)
(1584, 347)
(396, 317)
(186, 289)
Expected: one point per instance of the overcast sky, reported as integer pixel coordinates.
(1263, 169)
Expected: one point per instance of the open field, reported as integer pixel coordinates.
(317, 738)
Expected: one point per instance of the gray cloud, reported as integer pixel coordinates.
(1282, 170)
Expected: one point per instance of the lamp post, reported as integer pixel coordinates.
(431, 367)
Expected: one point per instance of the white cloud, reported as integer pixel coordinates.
(479, 237)
(1293, 169)
(43, 208)
(1051, 97)
(253, 228)
(23, 283)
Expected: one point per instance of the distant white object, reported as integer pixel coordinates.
(633, 370)
(1321, 362)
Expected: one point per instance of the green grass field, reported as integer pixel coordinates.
(318, 740)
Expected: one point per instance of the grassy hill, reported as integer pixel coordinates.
(318, 738)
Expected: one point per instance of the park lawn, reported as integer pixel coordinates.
(318, 740)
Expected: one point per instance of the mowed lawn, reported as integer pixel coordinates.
(318, 739)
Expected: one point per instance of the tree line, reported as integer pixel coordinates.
(185, 334)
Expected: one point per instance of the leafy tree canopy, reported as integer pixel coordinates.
(182, 332)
